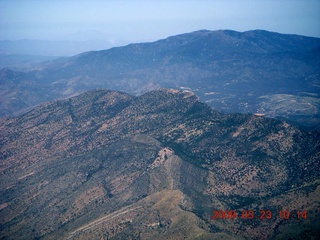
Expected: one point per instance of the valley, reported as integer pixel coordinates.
(151, 140)
(233, 72)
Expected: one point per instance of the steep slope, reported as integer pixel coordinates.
(108, 165)
(273, 73)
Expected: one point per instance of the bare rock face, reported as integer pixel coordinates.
(108, 165)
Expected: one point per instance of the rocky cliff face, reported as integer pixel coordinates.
(107, 165)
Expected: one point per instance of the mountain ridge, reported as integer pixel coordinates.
(106, 164)
(231, 71)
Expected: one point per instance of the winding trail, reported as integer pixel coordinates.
(103, 219)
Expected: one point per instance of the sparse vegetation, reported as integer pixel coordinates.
(107, 165)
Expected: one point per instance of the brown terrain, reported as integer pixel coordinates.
(108, 165)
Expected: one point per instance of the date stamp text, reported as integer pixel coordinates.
(262, 214)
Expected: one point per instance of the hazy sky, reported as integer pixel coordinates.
(143, 20)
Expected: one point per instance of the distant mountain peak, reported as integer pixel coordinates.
(231, 71)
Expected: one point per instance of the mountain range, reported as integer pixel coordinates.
(53, 48)
(250, 72)
(163, 165)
